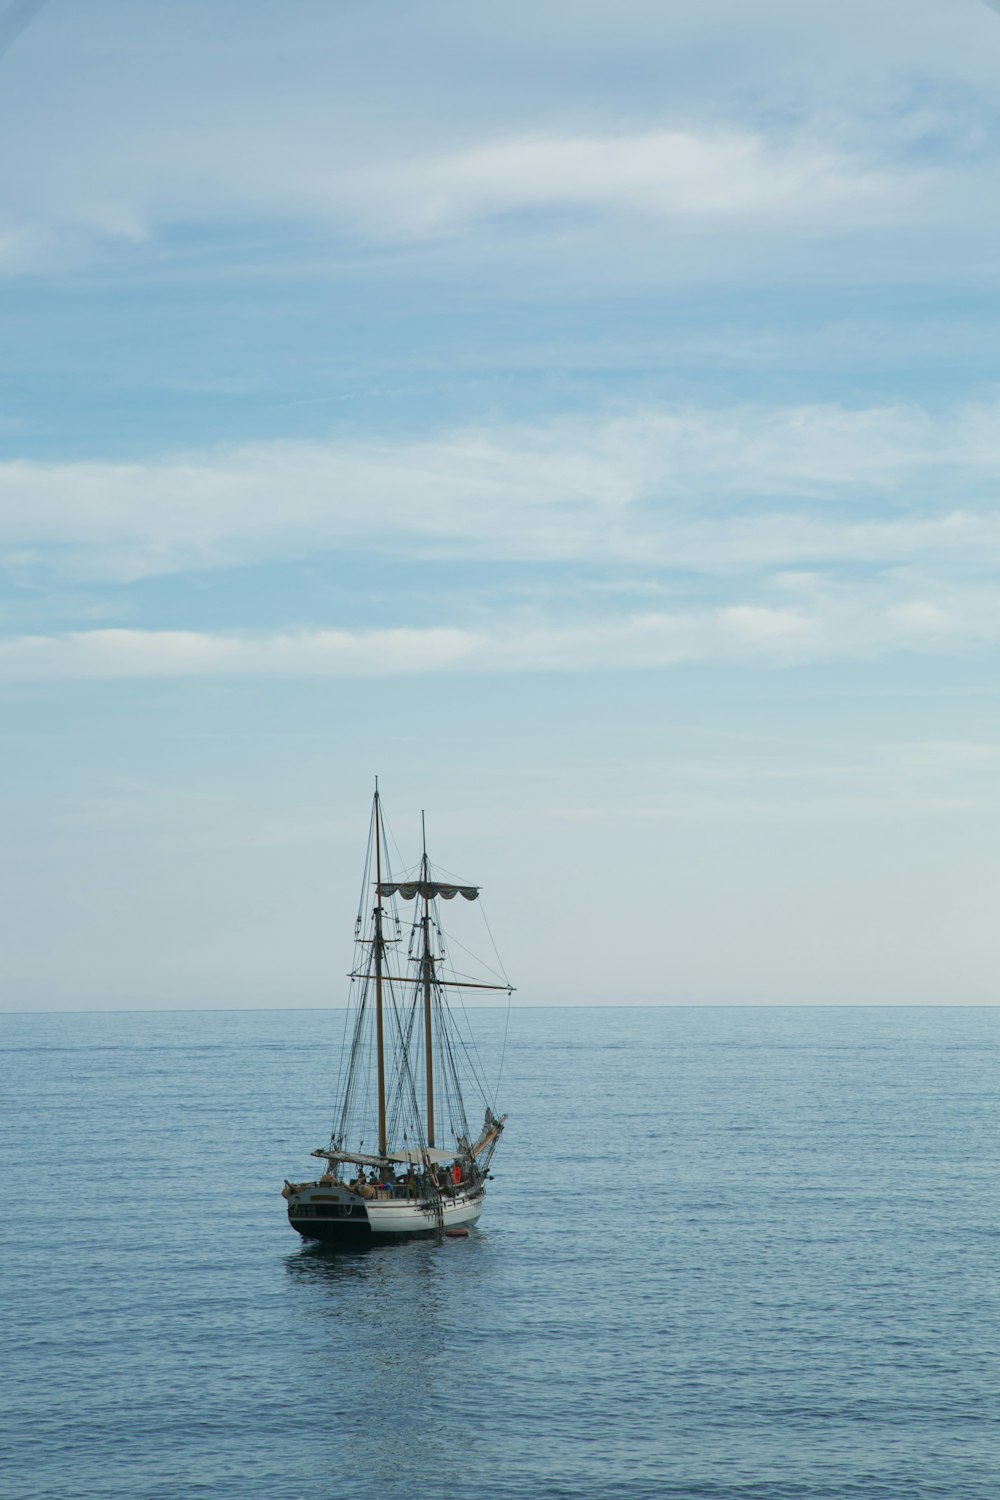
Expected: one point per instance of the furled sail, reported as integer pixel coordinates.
(407, 890)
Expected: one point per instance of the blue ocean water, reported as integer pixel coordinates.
(746, 1253)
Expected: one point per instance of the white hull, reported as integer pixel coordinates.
(331, 1212)
(410, 1218)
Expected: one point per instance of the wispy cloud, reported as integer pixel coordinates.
(687, 179)
(674, 177)
(708, 491)
(818, 625)
(460, 144)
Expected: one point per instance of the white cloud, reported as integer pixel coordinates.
(706, 491)
(680, 178)
(922, 617)
(115, 653)
(768, 121)
(185, 123)
(862, 621)
(674, 177)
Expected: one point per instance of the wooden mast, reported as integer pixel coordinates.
(427, 967)
(379, 1028)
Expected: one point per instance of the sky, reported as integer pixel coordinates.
(583, 416)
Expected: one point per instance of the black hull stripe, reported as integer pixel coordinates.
(343, 1232)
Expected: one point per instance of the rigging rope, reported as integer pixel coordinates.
(456, 1051)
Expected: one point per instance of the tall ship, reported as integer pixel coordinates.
(402, 1159)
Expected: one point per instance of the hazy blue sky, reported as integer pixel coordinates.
(583, 414)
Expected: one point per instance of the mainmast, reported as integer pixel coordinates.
(379, 1027)
(428, 968)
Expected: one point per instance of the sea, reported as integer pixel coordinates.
(740, 1253)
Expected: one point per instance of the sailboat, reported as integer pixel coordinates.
(401, 1159)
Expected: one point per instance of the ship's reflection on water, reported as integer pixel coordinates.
(391, 1319)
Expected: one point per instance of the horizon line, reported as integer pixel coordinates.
(193, 1010)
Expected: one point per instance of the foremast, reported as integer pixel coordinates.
(383, 1143)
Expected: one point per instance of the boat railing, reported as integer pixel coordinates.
(400, 1193)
